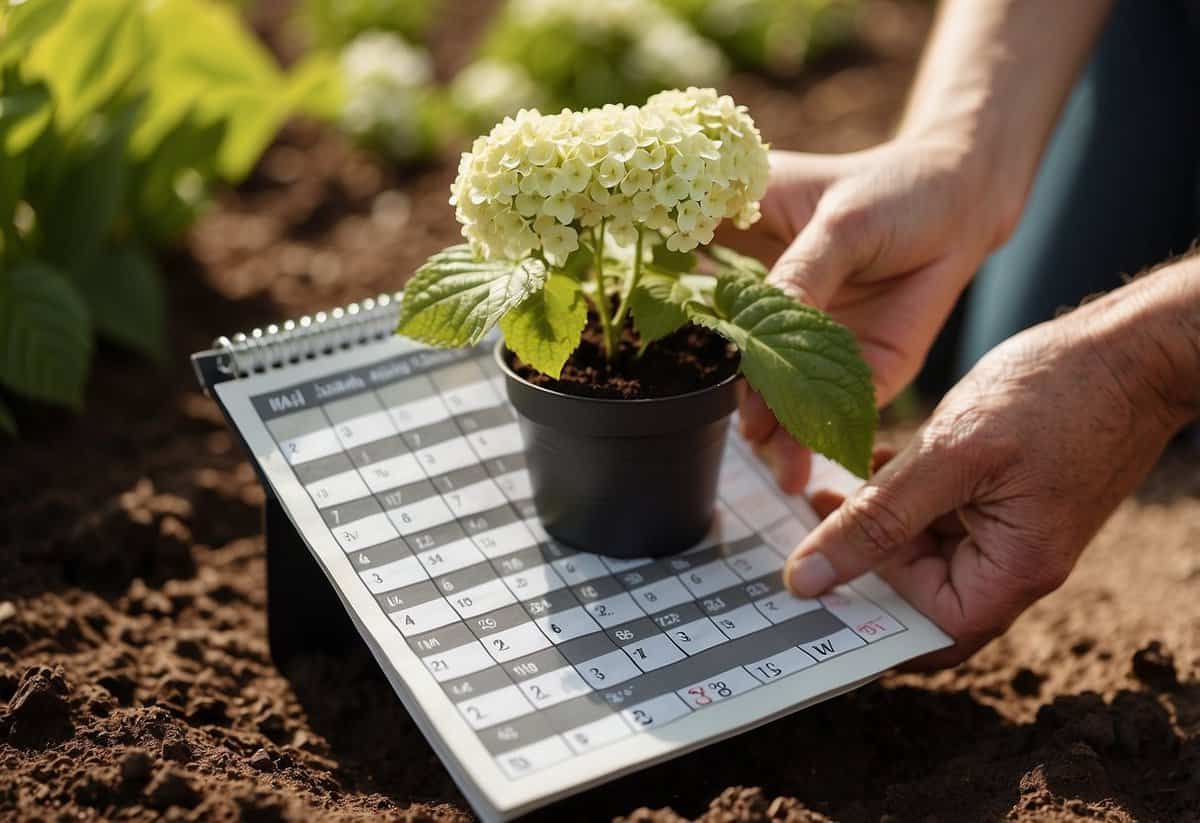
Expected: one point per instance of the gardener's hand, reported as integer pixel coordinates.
(885, 240)
(991, 503)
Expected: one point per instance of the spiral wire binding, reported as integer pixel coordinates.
(308, 337)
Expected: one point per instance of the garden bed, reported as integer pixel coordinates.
(134, 669)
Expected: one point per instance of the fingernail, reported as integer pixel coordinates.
(811, 575)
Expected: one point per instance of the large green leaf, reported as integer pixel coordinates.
(90, 55)
(731, 262)
(454, 299)
(659, 302)
(127, 300)
(22, 24)
(545, 328)
(806, 367)
(45, 335)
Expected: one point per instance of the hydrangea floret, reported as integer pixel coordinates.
(614, 210)
(386, 85)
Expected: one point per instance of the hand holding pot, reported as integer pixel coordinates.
(992, 502)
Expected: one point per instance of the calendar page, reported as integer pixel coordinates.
(533, 669)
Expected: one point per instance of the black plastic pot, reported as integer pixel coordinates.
(623, 478)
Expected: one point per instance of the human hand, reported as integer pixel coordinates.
(991, 503)
(884, 240)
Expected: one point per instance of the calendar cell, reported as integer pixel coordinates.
(533, 582)
(504, 540)
(535, 526)
(833, 645)
(362, 534)
(518, 641)
(304, 436)
(347, 513)
(608, 669)
(554, 687)
(516, 485)
(696, 636)
(378, 555)
(868, 621)
(474, 498)
(486, 521)
(481, 599)
(616, 565)
(450, 558)
(338, 488)
(567, 625)
(785, 605)
(481, 682)
(785, 535)
(418, 413)
(394, 575)
(664, 594)
(720, 687)
(408, 596)
(653, 652)
(494, 707)
(598, 733)
(446, 456)
(781, 664)
(709, 578)
(612, 611)
(579, 568)
(741, 621)
(457, 662)
(754, 563)
(424, 617)
(535, 757)
(420, 516)
(469, 398)
(496, 442)
(515, 734)
(364, 429)
(400, 470)
(760, 508)
(655, 712)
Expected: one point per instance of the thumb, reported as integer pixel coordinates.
(829, 248)
(888, 512)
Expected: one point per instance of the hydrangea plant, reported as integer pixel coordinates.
(608, 208)
(594, 52)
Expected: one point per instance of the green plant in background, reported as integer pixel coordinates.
(389, 104)
(585, 53)
(779, 36)
(332, 24)
(116, 117)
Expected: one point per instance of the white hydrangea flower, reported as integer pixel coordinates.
(678, 165)
(384, 78)
(489, 90)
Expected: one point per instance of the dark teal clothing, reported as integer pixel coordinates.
(1118, 189)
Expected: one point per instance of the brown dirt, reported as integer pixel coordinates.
(135, 681)
(688, 360)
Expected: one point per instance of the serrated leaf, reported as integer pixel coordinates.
(730, 262)
(545, 328)
(455, 299)
(45, 335)
(658, 302)
(125, 295)
(806, 366)
(8, 423)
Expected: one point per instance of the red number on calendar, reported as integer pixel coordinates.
(702, 698)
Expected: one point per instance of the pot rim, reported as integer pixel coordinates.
(498, 354)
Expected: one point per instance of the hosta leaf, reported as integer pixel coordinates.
(45, 335)
(545, 328)
(454, 299)
(730, 262)
(125, 294)
(659, 300)
(806, 367)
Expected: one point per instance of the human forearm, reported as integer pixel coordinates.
(992, 83)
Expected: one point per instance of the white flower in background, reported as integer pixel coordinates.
(384, 80)
(489, 90)
(678, 165)
(668, 52)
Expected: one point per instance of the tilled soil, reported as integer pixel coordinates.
(135, 676)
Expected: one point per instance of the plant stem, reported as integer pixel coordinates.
(623, 308)
(602, 309)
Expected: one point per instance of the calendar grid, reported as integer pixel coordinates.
(441, 530)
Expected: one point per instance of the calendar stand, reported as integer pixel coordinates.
(304, 613)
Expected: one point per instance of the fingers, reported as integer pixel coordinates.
(757, 421)
(789, 461)
(889, 512)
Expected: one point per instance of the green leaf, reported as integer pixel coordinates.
(730, 262)
(25, 111)
(8, 423)
(454, 299)
(545, 328)
(659, 302)
(681, 262)
(24, 23)
(45, 335)
(127, 300)
(806, 367)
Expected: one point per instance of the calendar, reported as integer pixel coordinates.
(533, 669)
